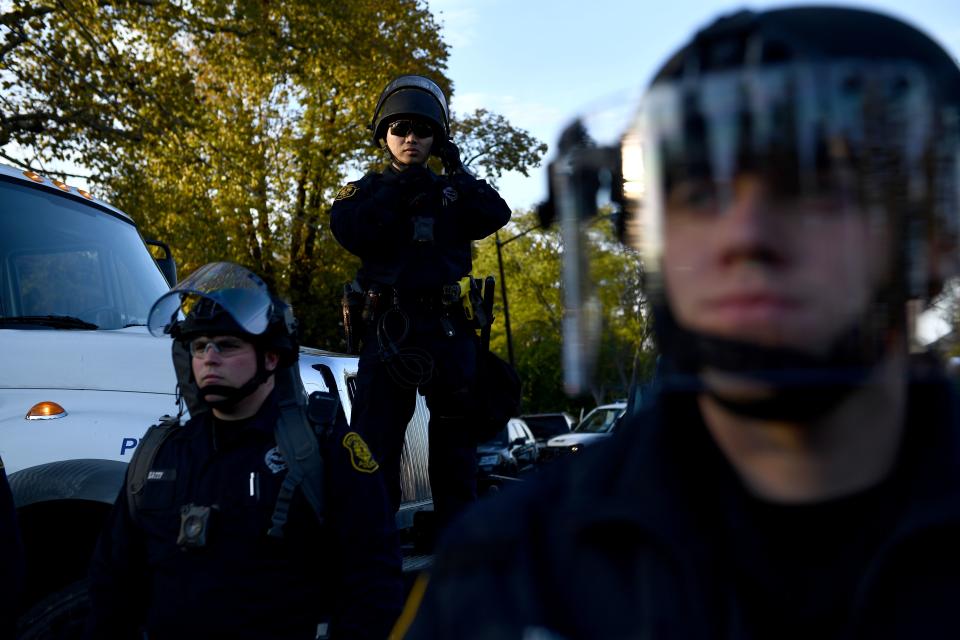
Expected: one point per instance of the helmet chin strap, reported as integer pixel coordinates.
(229, 396)
(797, 386)
(394, 162)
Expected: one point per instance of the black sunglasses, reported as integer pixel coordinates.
(401, 128)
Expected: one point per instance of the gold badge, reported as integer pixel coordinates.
(347, 191)
(360, 456)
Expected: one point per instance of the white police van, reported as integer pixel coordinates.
(81, 379)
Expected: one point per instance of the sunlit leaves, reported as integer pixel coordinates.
(225, 127)
(532, 271)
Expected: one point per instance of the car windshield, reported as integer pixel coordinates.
(599, 420)
(546, 426)
(499, 440)
(68, 264)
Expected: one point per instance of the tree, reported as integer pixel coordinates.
(225, 127)
(532, 266)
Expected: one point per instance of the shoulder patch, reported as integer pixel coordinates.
(360, 457)
(347, 191)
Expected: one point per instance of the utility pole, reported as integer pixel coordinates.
(503, 287)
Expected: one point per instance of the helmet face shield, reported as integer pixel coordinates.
(831, 138)
(849, 168)
(210, 289)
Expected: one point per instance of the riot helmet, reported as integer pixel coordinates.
(841, 129)
(222, 298)
(411, 96)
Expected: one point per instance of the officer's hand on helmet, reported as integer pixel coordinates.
(449, 155)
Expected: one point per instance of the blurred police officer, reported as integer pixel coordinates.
(11, 559)
(412, 231)
(792, 177)
(210, 541)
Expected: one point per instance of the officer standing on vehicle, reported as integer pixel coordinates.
(412, 230)
(11, 559)
(792, 178)
(211, 535)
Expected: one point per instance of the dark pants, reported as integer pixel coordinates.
(386, 398)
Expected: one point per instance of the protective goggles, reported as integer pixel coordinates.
(236, 290)
(226, 347)
(402, 128)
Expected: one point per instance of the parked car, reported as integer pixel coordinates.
(506, 456)
(595, 426)
(547, 425)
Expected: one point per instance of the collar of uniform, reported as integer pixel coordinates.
(389, 168)
(927, 472)
(650, 475)
(663, 474)
(258, 427)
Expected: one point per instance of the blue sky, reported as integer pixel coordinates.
(541, 62)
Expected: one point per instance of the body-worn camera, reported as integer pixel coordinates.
(422, 229)
(194, 526)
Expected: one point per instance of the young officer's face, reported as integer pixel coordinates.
(406, 145)
(233, 365)
(770, 271)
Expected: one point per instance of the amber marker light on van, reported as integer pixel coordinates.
(63, 186)
(46, 411)
(85, 194)
(33, 175)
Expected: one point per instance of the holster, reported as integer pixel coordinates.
(469, 292)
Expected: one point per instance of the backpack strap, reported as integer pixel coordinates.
(297, 440)
(143, 458)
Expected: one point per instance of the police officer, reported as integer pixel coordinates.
(11, 559)
(214, 538)
(412, 230)
(792, 180)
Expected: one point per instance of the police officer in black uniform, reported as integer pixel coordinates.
(412, 230)
(11, 559)
(792, 178)
(214, 539)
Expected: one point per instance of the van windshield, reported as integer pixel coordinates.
(67, 264)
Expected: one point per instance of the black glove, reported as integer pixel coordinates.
(449, 155)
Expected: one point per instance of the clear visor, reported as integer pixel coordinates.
(842, 136)
(239, 291)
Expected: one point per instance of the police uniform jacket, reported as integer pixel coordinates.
(626, 542)
(242, 583)
(386, 219)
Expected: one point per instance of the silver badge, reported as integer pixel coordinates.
(450, 195)
(274, 460)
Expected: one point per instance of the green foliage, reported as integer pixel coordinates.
(225, 127)
(492, 145)
(532, 270)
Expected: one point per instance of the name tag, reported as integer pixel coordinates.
(162, 474)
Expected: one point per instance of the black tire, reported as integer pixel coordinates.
(60, 616)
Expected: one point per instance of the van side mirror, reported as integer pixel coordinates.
(168, 267)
